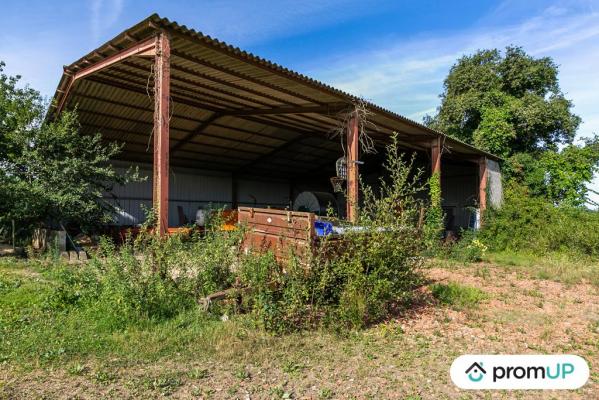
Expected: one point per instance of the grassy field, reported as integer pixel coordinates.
(509, 303)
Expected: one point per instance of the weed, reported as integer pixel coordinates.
(291, 367)
(77, 369)
(277, 392)
(457, 295)
(355, 282)
(325, 394)
(242, 374)
(103, 376)
(166, 384)
(198, 373)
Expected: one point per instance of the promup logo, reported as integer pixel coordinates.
(519, 372)
(476, 372)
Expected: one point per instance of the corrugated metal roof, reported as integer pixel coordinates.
(213, 81)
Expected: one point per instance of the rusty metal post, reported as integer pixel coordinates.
(161, 131)
(352, 152)
(482, 185)
(436, 147)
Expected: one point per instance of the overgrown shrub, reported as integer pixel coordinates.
(533, 224)
(147, 278)
(433, 227)
(348, 282)
(353, 281)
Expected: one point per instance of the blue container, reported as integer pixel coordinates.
(323, 228)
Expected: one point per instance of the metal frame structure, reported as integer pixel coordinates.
(217, 107)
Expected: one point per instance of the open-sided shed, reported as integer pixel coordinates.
(216, 124)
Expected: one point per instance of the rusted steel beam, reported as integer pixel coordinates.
(241, 103)
(482, 185)
(206, 98)
(436, 150)
(132, 106)
(141, 89)
(161, 131)
(187, 131)
(352, 154)
(144, 48)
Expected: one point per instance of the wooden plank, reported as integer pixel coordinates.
(352, 154)
(161, 132)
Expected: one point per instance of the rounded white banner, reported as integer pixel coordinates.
(519, 372)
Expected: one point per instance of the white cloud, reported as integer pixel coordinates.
(104, 13)
(407, 75)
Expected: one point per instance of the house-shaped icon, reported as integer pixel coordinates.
(474, 367)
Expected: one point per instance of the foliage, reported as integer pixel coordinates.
(357, 281)
(511, 105)
(506, 104)
(559, 177)
(457, 295)
(469, 248)
(528, 223)
(49, 171)
(433, 227)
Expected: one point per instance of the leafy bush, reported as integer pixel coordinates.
(149, 278)
(469, 248)
(533, 224)
(357, 280)
(74, 286)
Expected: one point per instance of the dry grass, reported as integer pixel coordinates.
(405, 358)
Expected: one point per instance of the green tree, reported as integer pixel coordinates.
(511, 105)
(48, 170)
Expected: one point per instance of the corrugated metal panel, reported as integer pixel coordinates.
(210, 75)
(495, 185)
(191, 189)
(187, 189)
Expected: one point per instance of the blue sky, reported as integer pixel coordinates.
(395, 53)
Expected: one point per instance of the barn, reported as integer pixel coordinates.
(211, 125)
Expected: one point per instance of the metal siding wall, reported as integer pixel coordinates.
(191, 191)
(495, 187)
(266, 194)
(187, 188)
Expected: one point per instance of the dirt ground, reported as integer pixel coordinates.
(406, 358)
